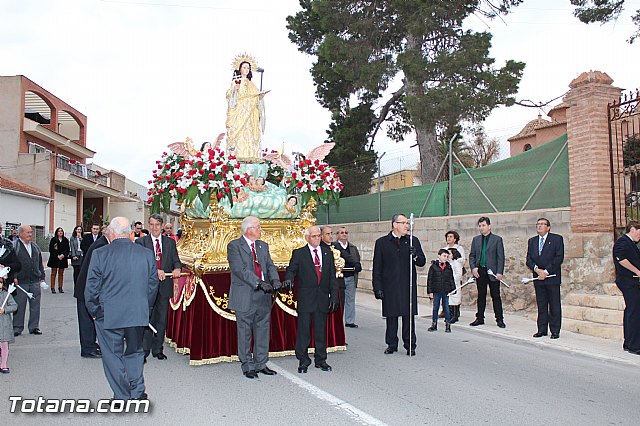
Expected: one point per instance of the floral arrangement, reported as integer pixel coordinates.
(204, 175)
(317, 179)
(276, 173)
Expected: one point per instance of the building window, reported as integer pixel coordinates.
(527, 147)
(64, 190)
(34, 148)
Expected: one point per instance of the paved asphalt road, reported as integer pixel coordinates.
(467, 377)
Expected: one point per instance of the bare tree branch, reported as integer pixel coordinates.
(385, 110)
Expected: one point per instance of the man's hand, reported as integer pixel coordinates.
(277, 285)
(475, 273)
(175, 273)
(431, 296)
(542, 274)
(1, 311)
(499, 277)
(161, 275)
(287, 285)
(333, 306)
(265, 286)
(379, 294)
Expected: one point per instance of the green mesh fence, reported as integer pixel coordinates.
(508, 184)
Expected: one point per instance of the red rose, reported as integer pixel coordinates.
(167, 177)
(150, 200)
(237, 166)
(237, 190)
(300, 184)
(316, 162)
(159, 166)
(149, 182)
(148, 192)
(294, 175)
(225, 183)
(98, 172)
(227, 190)
(225, 168)
(321, 168)
(160, 191)
(320, 190)
(182, 164)
(200, 163)
(312, 177)
(194, 183)
(211, 176)
(308, 162)
(172, 186)
(201, 171)
(243, 181)
(199, 154)
(219, 195)
(301, 163)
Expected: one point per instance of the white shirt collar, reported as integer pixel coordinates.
(311, 249)
(248, 241)
(544, 237)
(344, 245)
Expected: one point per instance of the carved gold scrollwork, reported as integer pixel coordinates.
(287, 303)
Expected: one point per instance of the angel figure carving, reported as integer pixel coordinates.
(187, 150)
(285, 161)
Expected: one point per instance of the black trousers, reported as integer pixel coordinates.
(76, 272)
(391, 335)
(86, 329)
(631, 322)
(154, 342)
(549, 309)
(303, 337)
(494, 288)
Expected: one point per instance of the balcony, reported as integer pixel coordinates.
(80, 170)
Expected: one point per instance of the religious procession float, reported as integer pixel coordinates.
(216, 189)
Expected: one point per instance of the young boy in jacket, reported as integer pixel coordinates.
(439, 283)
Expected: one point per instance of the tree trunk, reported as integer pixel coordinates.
(425, 133)
(430, 160)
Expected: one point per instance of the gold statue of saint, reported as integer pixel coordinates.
(245, 113)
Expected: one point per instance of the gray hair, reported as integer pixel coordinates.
(120, 226)
(322, 227)
(395, 218)
(247, 223)
(307, 231)
(156, 216)
(21, 229)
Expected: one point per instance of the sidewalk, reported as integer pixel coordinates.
(519, 330)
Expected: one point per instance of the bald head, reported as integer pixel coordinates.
(119, 227)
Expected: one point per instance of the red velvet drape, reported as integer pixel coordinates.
(209, 337)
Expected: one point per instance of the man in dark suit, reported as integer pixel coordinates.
(626, 257)
(352, 266)
(89, 347)
(253, 278)
(31, 278)
(391, 257)
(545, 254)
(317, 295)
(487, 254)
(169, 267)
(90, 238)
(122, 283)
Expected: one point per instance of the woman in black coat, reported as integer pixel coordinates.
(8, 258)
(58, 258)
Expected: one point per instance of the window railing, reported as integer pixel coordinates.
(81, 170)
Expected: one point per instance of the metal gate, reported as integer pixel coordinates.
(624, 153)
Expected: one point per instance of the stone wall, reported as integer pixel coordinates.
(586, 267)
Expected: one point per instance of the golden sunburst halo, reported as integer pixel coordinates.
(244, 57)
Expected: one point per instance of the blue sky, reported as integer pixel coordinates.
(151, 72)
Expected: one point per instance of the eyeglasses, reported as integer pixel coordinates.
(403, 223)
(343, 232)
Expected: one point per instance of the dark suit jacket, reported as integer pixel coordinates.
(81, 282)
(494, 254)
(122, 283)
(87, 240)
(170, 260)
(625, 248)
(244, 281)
(550, 259)
(312, 296)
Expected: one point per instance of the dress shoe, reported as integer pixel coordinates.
(142, 397)
(351, 325)
(160, 356)
(91, 355)
(53, 291)
(501, 324)
(302, 368)
(390, 350)
(17, 333)
(4, 371)
(555, 335)
(635, 352)
(477, 322)
(540, 334)
(35, 331)
(324, 366)
(267, 371)
(625, 347)
(98, 351)
(251, 374)
(60, 290)
(411, 353)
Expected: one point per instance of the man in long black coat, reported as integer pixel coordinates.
(391, 258)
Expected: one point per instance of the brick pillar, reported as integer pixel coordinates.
(589, 166)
